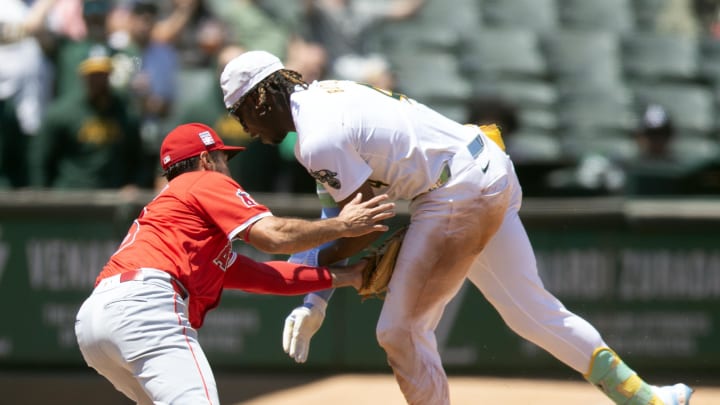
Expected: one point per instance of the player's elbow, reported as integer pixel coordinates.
(269, 243)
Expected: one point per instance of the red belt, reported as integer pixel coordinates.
(139, 275)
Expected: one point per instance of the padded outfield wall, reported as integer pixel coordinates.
(646, 273)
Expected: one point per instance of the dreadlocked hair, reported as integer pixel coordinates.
(281, 82)
(188, 165)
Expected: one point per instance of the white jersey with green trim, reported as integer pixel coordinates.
(349, 133)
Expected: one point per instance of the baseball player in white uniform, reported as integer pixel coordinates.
(464, 202)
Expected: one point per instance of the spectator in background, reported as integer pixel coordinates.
(308, 58)
(656, 170)
(259, 168)
(251, 26)
(176, 25)
(169, 29)
(179, 28)
(654, 135)
(23, 93)
(152, 85)
(61, 17)
(88, 139)
(66, 52)
(184, 14)
(210, 38)
(371, 69)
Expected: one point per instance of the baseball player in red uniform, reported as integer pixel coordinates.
(464, 202)
(138, 327)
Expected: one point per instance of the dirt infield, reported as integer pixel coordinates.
(381, 389)
(250, 388)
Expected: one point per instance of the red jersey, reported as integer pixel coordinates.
(187, 231)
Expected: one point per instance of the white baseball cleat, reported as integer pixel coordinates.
(678, 394)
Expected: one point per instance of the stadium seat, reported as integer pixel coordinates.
(528, 92)
(537, 15)
(583, 59)
(430, 77)
(694, 149)
(709, 64)
(438, 25)
(603, 15)
(615, 145)
(534, 99)
(455, 110)
(533, 145)
(461, 14)
(405, 36)
(691, 106)
(660, 56)
(503, 52)
(608, 108)
(544, 118)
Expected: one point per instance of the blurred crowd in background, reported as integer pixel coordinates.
(594, 97)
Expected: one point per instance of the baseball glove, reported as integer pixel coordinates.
(380, 265)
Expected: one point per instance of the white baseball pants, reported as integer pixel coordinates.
(137, 335)
(450, 227)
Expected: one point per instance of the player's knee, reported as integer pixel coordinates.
(393, 338)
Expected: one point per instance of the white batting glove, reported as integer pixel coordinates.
(301, 325)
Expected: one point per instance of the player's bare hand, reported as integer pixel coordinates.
(348, 276)
(363, 217)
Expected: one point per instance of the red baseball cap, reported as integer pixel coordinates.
(190, 140)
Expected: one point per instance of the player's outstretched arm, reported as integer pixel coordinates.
(289, 235)
(285, 278)
(305, 320)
